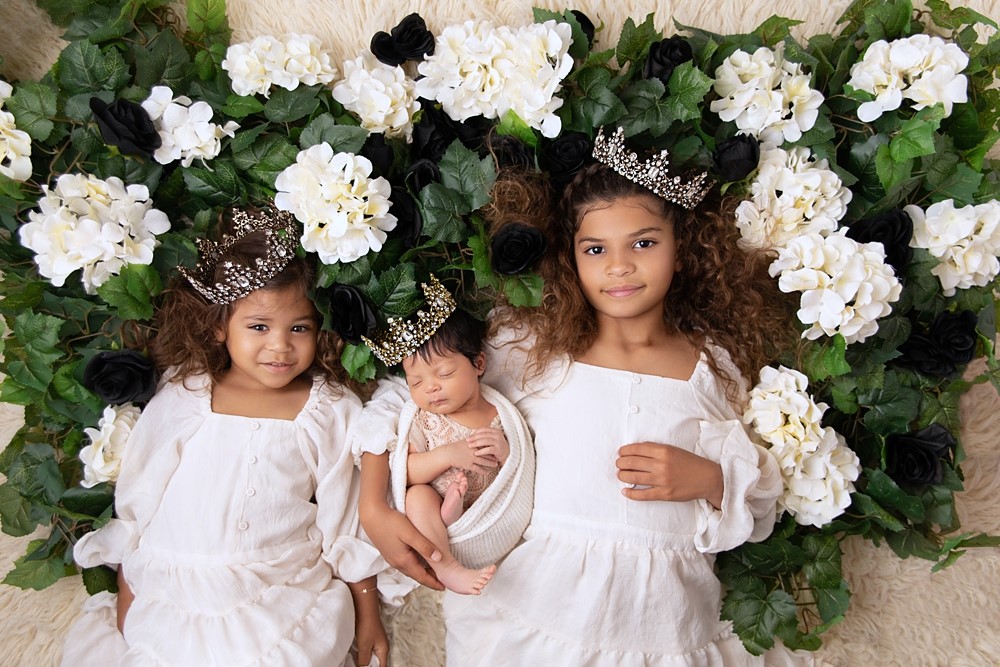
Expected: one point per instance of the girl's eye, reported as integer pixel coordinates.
(301, 328)
(446, 374)
(258, 327)
(593, 250)
(645, 243)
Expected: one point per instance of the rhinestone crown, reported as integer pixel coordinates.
(405, 336)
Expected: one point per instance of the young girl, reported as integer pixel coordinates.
(236, 524)
(632, 378)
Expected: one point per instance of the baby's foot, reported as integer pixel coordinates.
(463, 580)
(454, 498)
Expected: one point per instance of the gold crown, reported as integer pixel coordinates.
(238, 280)
(651, 173)
(405, 336)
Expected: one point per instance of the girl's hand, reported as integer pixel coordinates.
(371, 638)
(491, 443)
(402, 545)
(670, 473)
(124, 599)
(465, 454)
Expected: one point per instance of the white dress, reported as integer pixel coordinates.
(236, 535)
(601, 580)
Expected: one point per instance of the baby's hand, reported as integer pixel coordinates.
(491, 443)
(465, 454)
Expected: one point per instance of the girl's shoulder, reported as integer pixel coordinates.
(329, 401)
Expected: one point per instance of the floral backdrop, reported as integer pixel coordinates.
(860, 157)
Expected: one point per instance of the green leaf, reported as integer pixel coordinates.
(34, 573)
(266, 158)
(35, 474)
(512, 125)
(84, 67)
(891, 408)
(99, 579)
(288, 106)
(886, 492)
(910, 542)
(823, 568)
(647, 111)
(39, 334)
(888, 20)
(241, 106)
(463, 172)
(92, 502)
(442, 209)
(633, 44)
(484, 273)
(915, 138)
(960, 184)
(946, 17)
(207, 17)
(774, 30)
(99, 24)
(342, 138)
(597, 104)
(33, 105)
(832, 602)
(18, 516)
(523, 290)
(130, 292)
(218, 186)
(359, 362)
(822, 360)
(164, 63)
(759, 616)
(871, 509)
(395, 291)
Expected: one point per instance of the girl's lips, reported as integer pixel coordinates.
(276, 367)
(622, 290)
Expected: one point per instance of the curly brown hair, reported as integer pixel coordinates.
(723, 294)
(187, 338)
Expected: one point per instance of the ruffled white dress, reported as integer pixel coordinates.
(601, 580)
(237, 535)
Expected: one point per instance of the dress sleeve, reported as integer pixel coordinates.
(151, 456)
(374, 430)
(751, 478)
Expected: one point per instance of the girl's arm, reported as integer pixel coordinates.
(390, 531)
(368, 629)
(125, 597)
(425, 467)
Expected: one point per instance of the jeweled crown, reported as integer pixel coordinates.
(404, 336)
(651, 173)
(238, 280)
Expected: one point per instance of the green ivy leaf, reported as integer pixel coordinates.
(485, 275)
(92, 502)
(164, 63)
(822, 360)
(888, 20)
(288, 106)
(442, 209)
(774, 30)
(18, 516)
(633, 44)
(342, 138)
(266, 158)
(84, 67)
(359, 362)
(130, 292)
(218, 186)
(949, 18)
(395, 291)
(35, 474)
(647, 111)
(915, 138)
(886, 492)
(100, 24)
(832, 602)
(891, 408)
(823, 568)
(207, 17)
(99, 579)
(960, 184)
(512, 125)
(33, 105)
(597, 104)
(910, 542)
(463, 172)
(36, 573)
(39, 334)
(758, 616)
(871, 509)
(523, 290)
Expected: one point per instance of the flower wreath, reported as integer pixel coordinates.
(861, 157)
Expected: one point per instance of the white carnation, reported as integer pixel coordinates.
(965, 241)
(345, 214)
(102, 458)
(90, 224)
(382, 97)
(186, 130)
(266, 61)
(766, 95)
(846, 286)
(792, 194)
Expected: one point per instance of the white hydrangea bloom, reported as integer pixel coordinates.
(766, 95)
(102, 458)
(382, 97)
(479, 70)
(186, 130)
(921, 68)
(94, 225)
(266, 61)
(15, 144)
(345, 214)
(965, 241)
(817, 467)
(792, 194)
(846, 286)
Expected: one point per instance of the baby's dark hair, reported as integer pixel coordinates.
(461, 333)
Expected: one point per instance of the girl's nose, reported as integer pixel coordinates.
(619, 265)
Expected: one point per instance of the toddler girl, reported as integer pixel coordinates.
(236, 505)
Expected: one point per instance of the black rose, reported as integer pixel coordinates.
(126, 125)
(734, 158)
(472, 131)
(509, 152)
(435, 131)
(950, 341)
(350, 315)
(122, 376)
(565, 156)
(379, 152)
(918, 459)
(409, 222)
(585, 23)
(410, 40)
(421, 173)
(664, 56)
(893, 229)
(515, 248)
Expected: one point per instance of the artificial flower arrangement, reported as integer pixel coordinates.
(860, 158)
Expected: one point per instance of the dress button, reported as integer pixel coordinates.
(636, 379)
(243, 525)
(250, 492)
(252, 459)
(254, 425)
(633, 409)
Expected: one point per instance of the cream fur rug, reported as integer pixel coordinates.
(901, 614)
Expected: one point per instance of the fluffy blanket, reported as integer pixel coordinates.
(900, 612)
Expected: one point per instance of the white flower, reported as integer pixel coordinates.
(186, 130)
(965, 241)
(846, 286)
(479, 70)
(102, 458)
(816, 465)
(266, 61)
(792, 194)
(94, 225)
(921, 68)
(383, 97)
(344, 213)
(766, 95)
(15, 149)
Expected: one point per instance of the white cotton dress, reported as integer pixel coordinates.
(237, 535)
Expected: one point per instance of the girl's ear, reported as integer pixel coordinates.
(220, 335)
(480, 364)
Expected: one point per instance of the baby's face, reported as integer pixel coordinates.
(445, 383)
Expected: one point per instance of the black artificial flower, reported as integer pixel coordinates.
(421, 173)
(379, 152)
(510, 152)
(350, 314)
(515, 248)
(585, 23)
(918, 459)
(736, 157)
(893, 229)
(435, 131)
(127, 125)
(950, 341)
(664, 56)
(121, 376)
(565, 155)
(409, 222)
(409, 40)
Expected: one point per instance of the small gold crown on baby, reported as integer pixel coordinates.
(404, 336)
(238, 280)
(651, 173)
